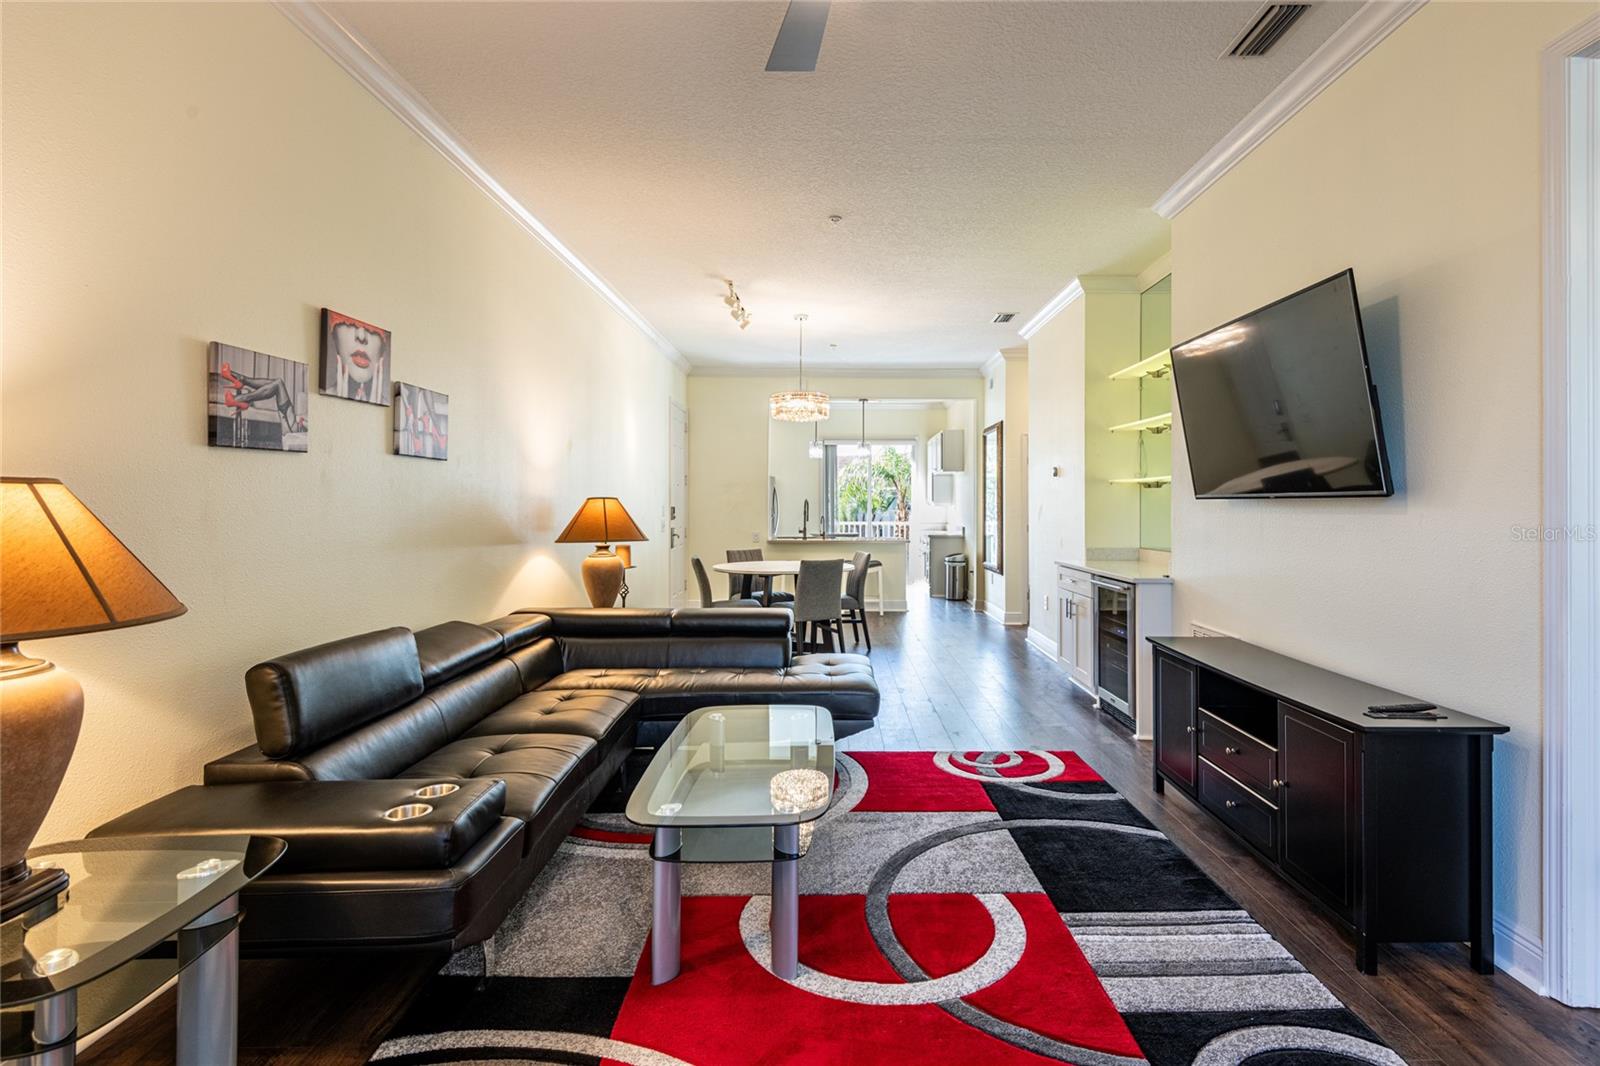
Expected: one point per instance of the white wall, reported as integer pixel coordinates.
(181, 174)
(728, 463)
(1056, 420)
(1429, 186)
(1005, 399)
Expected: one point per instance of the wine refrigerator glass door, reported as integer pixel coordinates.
(1114, 649)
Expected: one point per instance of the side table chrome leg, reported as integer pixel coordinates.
(55, 1019)
(667, 915)
(208, 996)
(786, 902)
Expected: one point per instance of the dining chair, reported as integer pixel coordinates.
(701, 579)
(853, 605)
(816, 602)
(747, 586)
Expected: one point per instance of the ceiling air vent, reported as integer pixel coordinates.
(1005, 316)
(1267, 29)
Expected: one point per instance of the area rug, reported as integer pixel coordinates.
(956, 907)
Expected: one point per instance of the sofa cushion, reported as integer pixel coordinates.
(304, 698)
(520, 629)
(596, 715)
(842, 683)
(541, 771)
(452, 648)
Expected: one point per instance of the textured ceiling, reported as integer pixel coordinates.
(981, 154)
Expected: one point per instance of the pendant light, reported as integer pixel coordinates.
(816, 449)
(800, 404)
(859, 449)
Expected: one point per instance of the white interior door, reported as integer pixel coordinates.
(678, 507)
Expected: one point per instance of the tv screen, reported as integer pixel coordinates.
(1280, 402)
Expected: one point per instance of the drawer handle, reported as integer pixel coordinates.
(1230, 803)
(1279, 784)
(1229, 751)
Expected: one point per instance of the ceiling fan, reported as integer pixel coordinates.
(800, 36)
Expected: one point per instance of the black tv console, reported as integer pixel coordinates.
(1384, 822)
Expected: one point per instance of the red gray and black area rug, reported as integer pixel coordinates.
(971, 907)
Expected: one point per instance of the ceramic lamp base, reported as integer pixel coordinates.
(41, 711)
(602, 576)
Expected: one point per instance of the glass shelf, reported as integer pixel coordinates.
(1143, 482)
(1154, 424)
(1155, 366)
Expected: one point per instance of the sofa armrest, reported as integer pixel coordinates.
(329, 825)
(251, 764)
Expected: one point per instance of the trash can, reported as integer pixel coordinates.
(955, 577)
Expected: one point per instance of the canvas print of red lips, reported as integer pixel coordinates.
(355, 359)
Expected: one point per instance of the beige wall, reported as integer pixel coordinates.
(728, 464)
(1430, 188)
(177, 175)
(1056, 419)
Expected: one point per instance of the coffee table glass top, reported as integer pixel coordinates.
(116, 934)
(718, 768)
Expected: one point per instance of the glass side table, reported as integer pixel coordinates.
(138, 911)
(735, 784)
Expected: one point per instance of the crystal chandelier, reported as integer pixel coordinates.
(800, 404)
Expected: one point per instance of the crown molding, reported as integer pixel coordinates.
(991, 364)
(1057, 304)
(1360, 33)
(786, 371)
(358, 59)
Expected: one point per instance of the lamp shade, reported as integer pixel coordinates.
(601, 520)
(62, 571)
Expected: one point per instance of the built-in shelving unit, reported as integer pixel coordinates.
(1154, 424)
(1143, 482)
(1155, 366)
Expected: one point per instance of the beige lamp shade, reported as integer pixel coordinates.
(62, 571)
(601, 520)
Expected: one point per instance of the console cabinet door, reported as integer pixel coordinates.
(1175, 721)
(1317, 766)
(1067, 642)
(1084, 623)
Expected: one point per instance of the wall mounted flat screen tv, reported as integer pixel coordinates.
(1280, 402)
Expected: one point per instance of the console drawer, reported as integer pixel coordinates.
(1239, 754)
(1239, 808)
(1076, 580)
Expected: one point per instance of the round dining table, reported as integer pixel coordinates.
(775, 568)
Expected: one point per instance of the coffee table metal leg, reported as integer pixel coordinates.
(55, 1019)
(786, 902)
(667, 915)
(208, 996)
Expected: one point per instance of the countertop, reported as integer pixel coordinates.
(836, 540)
(1134, 570)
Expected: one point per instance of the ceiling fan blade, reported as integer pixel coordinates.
(800, 36)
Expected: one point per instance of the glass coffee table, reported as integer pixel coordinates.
(138, 911)
(735, 784)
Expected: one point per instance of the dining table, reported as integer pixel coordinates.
(773, 569)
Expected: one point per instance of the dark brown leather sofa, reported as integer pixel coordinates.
(530, 716)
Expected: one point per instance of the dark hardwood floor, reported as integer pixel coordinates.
(953, 679)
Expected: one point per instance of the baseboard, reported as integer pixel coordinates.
(1519, 954)
(1043, 644)
(1004, 617)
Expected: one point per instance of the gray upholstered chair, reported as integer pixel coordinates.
(853, 606)
(816, 603)
(704, 582)
(748, 587)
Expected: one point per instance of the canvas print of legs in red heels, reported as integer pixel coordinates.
(255, 400)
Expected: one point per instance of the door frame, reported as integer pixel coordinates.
(1571, 933)
(678, 583)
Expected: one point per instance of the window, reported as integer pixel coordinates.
(870, 491)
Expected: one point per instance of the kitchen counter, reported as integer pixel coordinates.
(837, 540)
(1133, 570)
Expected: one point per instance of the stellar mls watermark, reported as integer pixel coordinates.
(1579, 534)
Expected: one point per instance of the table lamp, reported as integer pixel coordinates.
(601, 521)
(61, 572)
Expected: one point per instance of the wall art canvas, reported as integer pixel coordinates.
(355, 359)
(255, 400)
(421, 422)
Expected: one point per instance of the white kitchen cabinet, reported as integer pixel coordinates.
(947, 452)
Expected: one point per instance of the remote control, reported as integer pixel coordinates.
(1403, 708)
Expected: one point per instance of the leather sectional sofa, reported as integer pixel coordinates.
(530, 717)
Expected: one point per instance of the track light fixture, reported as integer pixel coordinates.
(736, 308)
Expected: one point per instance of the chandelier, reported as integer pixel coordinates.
(800, 404)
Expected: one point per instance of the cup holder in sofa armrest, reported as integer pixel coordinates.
(332, 825)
